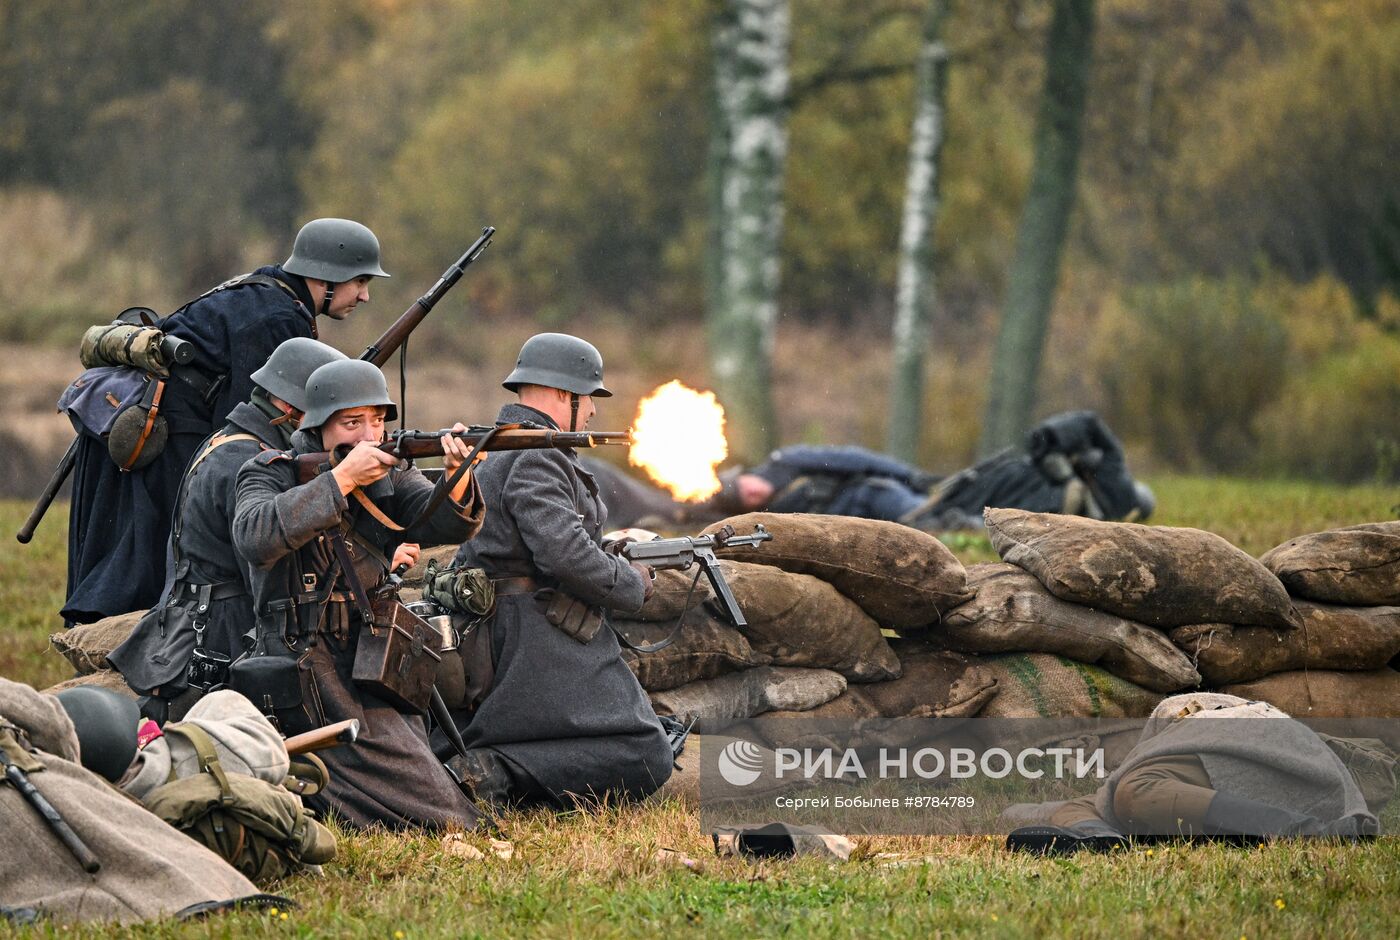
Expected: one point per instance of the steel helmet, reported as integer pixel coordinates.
(334, 250)
(557, 360)
(288, 369)
(349, 383)
(106, 723)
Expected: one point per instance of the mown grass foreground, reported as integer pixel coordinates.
(648, 871)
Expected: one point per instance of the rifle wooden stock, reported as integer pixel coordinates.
(319, 739)
(410, 445)
(379, 351)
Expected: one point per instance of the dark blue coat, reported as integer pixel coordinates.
(120, 522)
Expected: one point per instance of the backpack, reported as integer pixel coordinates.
(129, 362)
(259, 828)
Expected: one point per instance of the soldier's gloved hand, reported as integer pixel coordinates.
(365, 464)
(648, 577)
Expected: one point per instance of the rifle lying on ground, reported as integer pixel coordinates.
(377, 352)
(681, 553)
(410, 445)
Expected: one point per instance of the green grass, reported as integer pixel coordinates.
(598, 875)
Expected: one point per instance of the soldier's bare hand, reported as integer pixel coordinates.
(648, 577)
(455, 450)
(365, 464)
(406, 556)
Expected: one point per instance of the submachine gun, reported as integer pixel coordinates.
(681, 553)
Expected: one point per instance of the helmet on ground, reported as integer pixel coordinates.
(557, 360)
(106, 723)
(349, 383)
(288, 369)
(334, 250)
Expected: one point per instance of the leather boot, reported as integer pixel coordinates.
(1228, 814)
(1091, 835)
(484, 776)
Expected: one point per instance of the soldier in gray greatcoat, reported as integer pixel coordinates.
(305, 600)
(204, 576)
(563, 718)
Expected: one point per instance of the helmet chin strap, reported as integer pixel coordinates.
(573, 411)
(326, 299)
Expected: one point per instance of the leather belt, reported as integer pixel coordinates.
(188, 591)
(505, 587)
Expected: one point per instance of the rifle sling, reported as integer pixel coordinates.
(670, 637)
(444, 486)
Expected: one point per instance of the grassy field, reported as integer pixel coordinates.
(607, 874)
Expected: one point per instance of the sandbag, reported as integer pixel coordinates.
(704, 648)
(87, 645)
(800, 620)
(934, 684)
(716, 704)
(1157, 575)
(1320, 693)
(673, 592)
(1040, 685)
(1333, 637)
(1013, 612)
(901, 577)
(103, 679)
(1359, 564)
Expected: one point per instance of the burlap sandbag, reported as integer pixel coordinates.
(901, 577)
(1359, 564)
(1324, 693)
(716, 704)
(86, 646)
(704, 647)
(934, 684)
(1333, 637)
(103, 679)
(1013, 613)
(672, 592)
(1040, 685)
(1157, 575)
(800, 620)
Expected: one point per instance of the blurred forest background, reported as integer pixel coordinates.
(1227, 297)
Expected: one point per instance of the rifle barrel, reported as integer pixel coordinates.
(60, 474)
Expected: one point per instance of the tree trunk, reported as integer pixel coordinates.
(915, 294)
(747, 157)
(1031, 283)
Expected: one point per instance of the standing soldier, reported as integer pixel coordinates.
(207, 608)
(315, 555)
(563, 717)
(120, 521)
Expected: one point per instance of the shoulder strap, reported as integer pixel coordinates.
(208, 757)
(213, 444)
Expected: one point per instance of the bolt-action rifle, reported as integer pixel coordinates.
(411, 445)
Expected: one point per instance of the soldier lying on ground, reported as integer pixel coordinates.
(316, 554)
(207, 609)
(562, 716)
(120, 521)
(1213, 765)
(1073, 465)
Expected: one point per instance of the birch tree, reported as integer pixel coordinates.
(1034, 273)
(915, 293)
(747, 155)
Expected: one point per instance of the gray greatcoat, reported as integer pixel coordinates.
(202, 541)
(567, 717)
(389, 775)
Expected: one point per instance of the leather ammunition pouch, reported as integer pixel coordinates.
(572, 616)
(270, 678)
(396, 656)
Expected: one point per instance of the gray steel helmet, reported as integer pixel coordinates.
(288, 369)
(558, 360)
(106, 723)
(334, 250)
(349, 383)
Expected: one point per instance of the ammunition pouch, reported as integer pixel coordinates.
(396, 656)
(270, 678)
(572, 616)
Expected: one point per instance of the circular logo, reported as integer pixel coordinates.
(740, 763)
